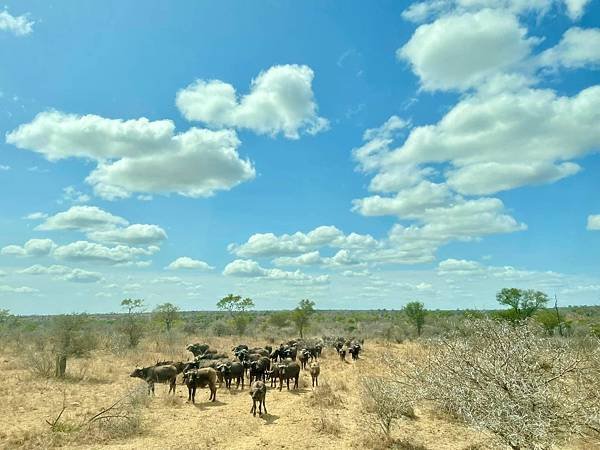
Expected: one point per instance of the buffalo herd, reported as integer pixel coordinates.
(282, 364)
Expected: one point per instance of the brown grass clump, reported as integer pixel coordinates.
(326, 425)
(324, 396)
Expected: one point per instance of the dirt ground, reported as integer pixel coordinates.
(330, 417)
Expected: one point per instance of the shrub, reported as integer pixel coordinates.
(529, 390)
(386, 402)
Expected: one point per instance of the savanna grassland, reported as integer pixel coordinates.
(391, 397)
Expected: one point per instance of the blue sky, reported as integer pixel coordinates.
(362, 156)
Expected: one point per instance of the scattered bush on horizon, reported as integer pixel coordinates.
(416, 312)
(522, 303)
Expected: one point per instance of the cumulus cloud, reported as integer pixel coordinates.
(98, 253)
(251, 269)
(280, 100)
(269, 244)
(462, 51)
(185, 262)
(4, 288)
(72, 195)
(576, 8)
(341, 258)
(17, 25)
(426, 10)
(82, 218)
(459, 267)
(136, 234)
(64, 273)
(593, 222)
(408, 203)
(101, 226)
(138, 156)
(579, 47)
(32, 248)
(502, 142)
(36, 216)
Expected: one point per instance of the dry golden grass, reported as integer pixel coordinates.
(329, 417)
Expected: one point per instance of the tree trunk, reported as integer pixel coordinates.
(61, 366)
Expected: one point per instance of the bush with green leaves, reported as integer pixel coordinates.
(132, 322)
(416, 312)
(301, 315)
(167, 314)
(522, 303)
(238, 308)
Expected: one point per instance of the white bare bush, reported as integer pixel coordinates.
(382, 398)
(530, 390)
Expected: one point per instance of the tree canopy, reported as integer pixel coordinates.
(416, 312)
(301, 315)
(522, 303)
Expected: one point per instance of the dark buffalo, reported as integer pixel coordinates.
(289, 371)
(258, 392)
(200, 378)
(157, 374)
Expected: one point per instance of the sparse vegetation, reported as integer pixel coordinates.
(70, 336)
(301, 315)
(370, 401)
(167, 314)
(415, 311)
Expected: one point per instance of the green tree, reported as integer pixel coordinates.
(238, 309)
(132, 325)
(416, 312)
(301, 315)
(167, 313)
(71, 337)
(522, 303)
(5, 316)
(548, 319)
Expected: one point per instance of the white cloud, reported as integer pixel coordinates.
(356, 273)
(251, 269)
(268, 244)
(461, 52)
(408, 203)
(484, 138)
(93, 252)
(458, 267)
(136, 234)
(4, 167)
(576, 8)
(593, 222)
(82, 218)
(57, 136)
(428, 9)
(17, 25)
(341, 258)
(139, 156)
(578, 48)
(72, 195)
(306, 259)
(64, 273)
(17, 290)
(36, 216)
(32, 248)
(185, 262)
(280, 100)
